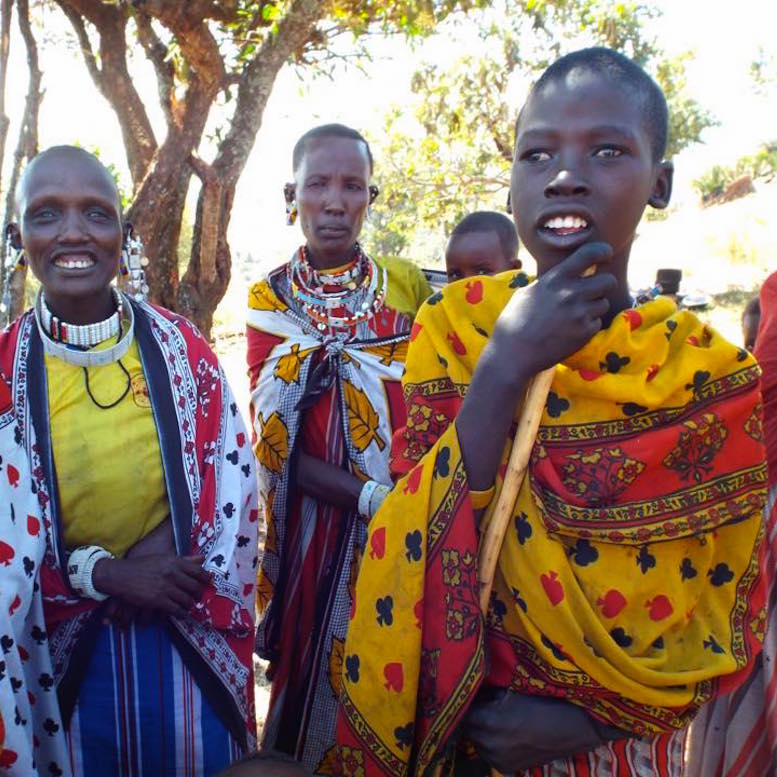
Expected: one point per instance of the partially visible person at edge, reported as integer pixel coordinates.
(482, 243)
(628, 582)
(31, 735)
(736, 735)
(146, 490)
(327, 336)
(751, 319)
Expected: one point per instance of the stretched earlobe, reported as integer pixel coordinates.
(13, 236)
(374, 192)
(509, 204)
(289, 192)
(662, 187)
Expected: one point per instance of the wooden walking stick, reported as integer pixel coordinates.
(517, 464)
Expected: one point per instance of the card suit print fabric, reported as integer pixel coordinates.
(737, 733)
(211, 499)
(27, 700)
(594, 596)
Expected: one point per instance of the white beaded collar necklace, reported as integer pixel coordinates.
(82, 335)
(87, 358)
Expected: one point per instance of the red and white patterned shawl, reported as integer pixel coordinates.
(211, 484)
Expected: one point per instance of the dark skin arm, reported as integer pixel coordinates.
(327, 482)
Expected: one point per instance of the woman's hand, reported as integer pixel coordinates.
(159, 540)
(513, 732)
(165, 583)
(556, 316)
(539, 327)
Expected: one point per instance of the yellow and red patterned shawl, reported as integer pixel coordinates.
(629, 580)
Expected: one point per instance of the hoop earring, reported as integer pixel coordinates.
(15, 261)
(291, 213)
(132, 262)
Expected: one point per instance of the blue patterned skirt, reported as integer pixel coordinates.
(140, 712)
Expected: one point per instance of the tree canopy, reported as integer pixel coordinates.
(455, 155)
(215, 63)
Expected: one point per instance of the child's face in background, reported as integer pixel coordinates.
(476, 253)
(583, 169)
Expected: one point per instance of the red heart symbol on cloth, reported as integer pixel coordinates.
(6, 553)
(241, 439)
(634, 318)
(33, 526)
(660, 608)
(13, 476)
(418, 611)
(395, 677)
(413, 480)
(8, 758)
(378, 543)
(17, 600)
(611, 603)
(553, 587)
(456, 343)
(474, 293)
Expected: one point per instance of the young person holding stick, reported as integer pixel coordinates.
(628, 584)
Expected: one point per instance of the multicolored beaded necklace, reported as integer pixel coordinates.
(342, 298)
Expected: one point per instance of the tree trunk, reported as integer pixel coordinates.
(6, 7)
(210, 265)
(27, 146)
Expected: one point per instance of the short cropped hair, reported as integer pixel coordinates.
(624, 71)
(490, 221)
(327, 131)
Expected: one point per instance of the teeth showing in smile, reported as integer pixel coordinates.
(74, 262)
(567, 223)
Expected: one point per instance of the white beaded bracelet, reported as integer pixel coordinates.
(80, 566)
(371, 497)
(377, 497)
(365, 495)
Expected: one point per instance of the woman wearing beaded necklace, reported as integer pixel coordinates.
(145, 490)
(327, 335)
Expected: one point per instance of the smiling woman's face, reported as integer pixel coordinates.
(332, 191)
(71, 232)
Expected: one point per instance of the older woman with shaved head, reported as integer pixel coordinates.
(145, 492)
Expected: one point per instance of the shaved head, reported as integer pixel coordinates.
(53, 156)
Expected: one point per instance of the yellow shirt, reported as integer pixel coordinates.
(108, 462)
(407, 284)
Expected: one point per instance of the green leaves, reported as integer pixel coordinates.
(455, 155)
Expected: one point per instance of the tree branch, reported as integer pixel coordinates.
(90, 60)
(113, 79)
(156, 52)
(5, 47)
(27, 146)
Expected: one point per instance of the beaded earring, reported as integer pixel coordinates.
(291, 213)
(15, 260)
(131, 264)
(290, 195)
